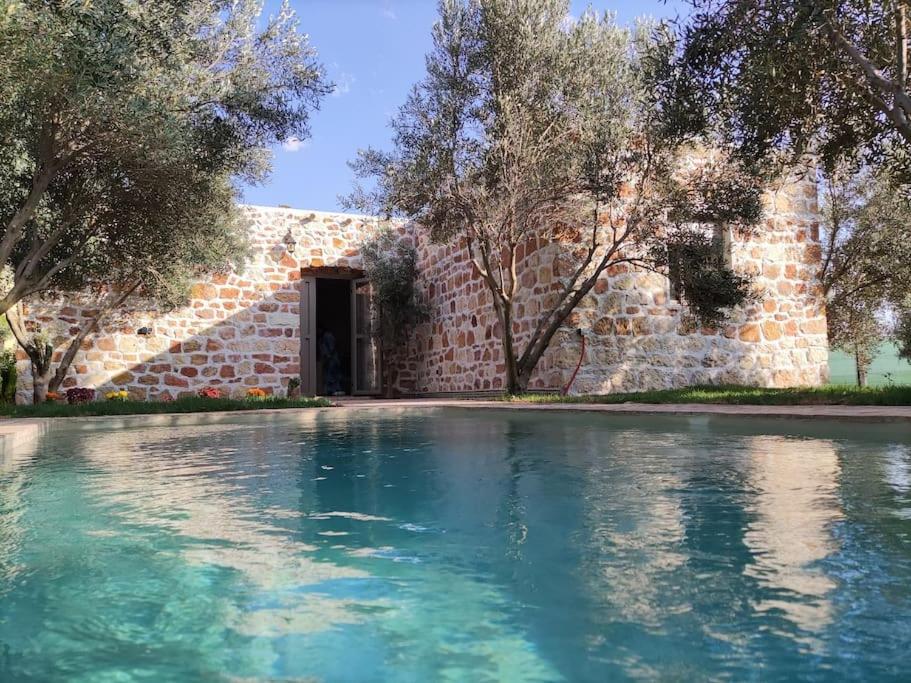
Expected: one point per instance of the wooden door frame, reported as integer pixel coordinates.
(308, 280)
(308, 335)
(378, 391)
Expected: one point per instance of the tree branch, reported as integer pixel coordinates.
(45, 281)
(901, 43)
(42, 248)
(15, 325)
(88, 328)
(901, 108)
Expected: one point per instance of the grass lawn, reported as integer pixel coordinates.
(887, 368)
(738, 395)
(182, 405)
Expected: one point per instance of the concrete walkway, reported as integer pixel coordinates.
(860, 413)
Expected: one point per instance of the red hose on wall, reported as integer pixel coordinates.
(578, 365)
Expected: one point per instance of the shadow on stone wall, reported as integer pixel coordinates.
(186, 351)
(229, 343)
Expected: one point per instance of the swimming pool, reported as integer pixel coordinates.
(433, 545)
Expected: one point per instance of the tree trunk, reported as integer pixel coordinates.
(39, 385)
(41, 358)
(390, 374)
(861, 366)
(517, 382)
(520, 367)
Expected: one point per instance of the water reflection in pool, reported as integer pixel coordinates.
(456, 545)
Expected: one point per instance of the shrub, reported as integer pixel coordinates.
(8, 373)
(8, 379)
(78, 395)
(53, 396)
(121, 395)
(210, 392)
(397, 306)
(256, 393)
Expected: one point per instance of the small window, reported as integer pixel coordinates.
(722, 242)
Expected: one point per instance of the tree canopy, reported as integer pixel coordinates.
(827, 77)
(124, 127)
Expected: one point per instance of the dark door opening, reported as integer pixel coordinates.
(333, 337)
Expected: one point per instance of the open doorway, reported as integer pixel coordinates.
(333, 337)
(339, 355)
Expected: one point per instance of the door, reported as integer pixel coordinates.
(365, 361)
(308, 336)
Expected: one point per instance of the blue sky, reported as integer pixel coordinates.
(374, 51)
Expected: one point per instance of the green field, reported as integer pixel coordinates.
(887, 368)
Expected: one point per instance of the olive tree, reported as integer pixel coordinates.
(903, 330)
(212, 238)
(827, 77)
(390, 263)
(866, 264)
(123, 129)
(530, 129)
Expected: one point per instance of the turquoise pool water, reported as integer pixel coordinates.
(457, 546)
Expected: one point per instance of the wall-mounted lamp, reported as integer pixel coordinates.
(289, 242)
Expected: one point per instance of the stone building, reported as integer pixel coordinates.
(263, 326)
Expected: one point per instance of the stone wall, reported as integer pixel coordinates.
(642, 340)
(459, 350)
(242, 330)
(637, 337)
(239, 331)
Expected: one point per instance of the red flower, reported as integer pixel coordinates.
(79, 395)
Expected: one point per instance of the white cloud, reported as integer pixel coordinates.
(343, 84)
(388, 12)
(295, 144)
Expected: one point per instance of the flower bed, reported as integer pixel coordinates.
(210, 392)
(78, 395)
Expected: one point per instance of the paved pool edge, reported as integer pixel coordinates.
(827, 412)
(15, 431)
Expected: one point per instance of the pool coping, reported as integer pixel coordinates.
(28, 428)
(825, 412)
(16, 433)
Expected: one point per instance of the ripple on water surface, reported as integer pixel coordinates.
(456, 545)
